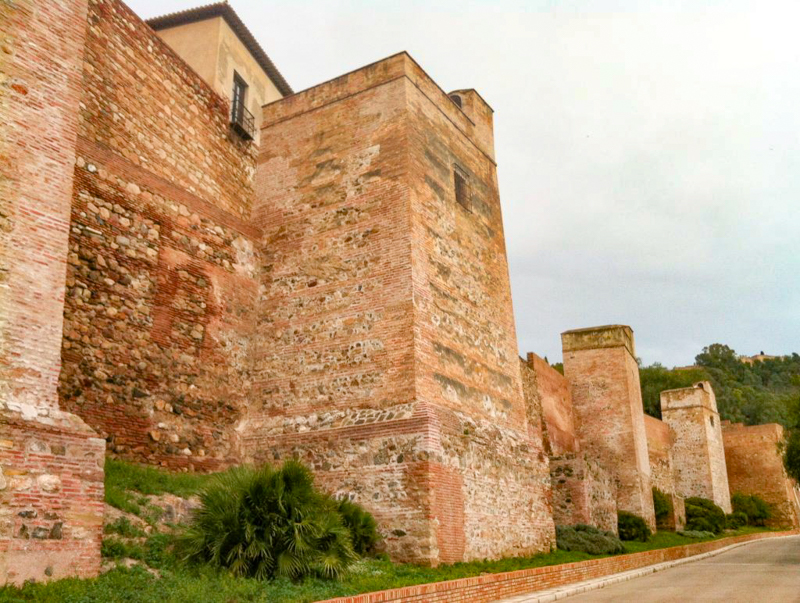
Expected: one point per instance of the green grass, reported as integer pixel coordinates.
(124, 480)
(179, 584)
(121, 475)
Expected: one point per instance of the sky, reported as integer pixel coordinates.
(648, 151)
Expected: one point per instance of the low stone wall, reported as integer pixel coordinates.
(490, 587)
(51, 497)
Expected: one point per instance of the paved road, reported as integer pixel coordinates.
(766, 571)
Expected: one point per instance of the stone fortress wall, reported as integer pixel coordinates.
(583, 491)
(754, 466)
(660, 444)
(327, 294)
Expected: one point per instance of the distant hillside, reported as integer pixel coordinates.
(763, 391)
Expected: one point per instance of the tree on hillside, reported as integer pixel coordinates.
(762, 392)
(657, 378)
(791, 449)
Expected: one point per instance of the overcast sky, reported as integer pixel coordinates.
(648, 152)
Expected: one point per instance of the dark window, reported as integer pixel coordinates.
(456, 99)
(241, 119)
(462, 188)
(712, 421)
(239, 96)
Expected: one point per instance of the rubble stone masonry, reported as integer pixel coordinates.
(583, 492)
(51, 487)
(600, 365)
(755, 466)
(385, 353)
(698, 454)
(162, 266)
(662, 471)
(339, 294)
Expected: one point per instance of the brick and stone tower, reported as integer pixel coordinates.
(51, 463)
(698, 452)
(600, 364)
(385, 353)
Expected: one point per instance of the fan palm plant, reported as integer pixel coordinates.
(264, 522)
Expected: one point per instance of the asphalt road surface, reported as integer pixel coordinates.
(765, 571)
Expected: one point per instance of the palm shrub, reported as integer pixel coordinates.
(264, 522)
(632, 527)
(362, 525)
(704, 516)
(755, 508)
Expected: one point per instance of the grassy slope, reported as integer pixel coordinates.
(180, 584)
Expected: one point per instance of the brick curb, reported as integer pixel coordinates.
(552, 582)
(555, 594)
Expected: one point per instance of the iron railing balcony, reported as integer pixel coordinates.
(242, 121)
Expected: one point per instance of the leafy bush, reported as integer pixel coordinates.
(791, 453)
(663, 506)
(735, 520)
(703, 515)
(587, 539)
(632, 527)
(113, 548)
(696, 534)
(124, 527)
(755, 509)
(362, 525)
(265, 522)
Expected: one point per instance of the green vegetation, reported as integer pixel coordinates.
(703, 515)
(362, 525)
(587, 539)
(125, 528)
(764, 392)
(791, 453)
(127, 485)
(656, 379)
(632, 527)
(663, 506)
(697, 534)
(265, 522)
(180, 583)
(755, 509)
(188, 585)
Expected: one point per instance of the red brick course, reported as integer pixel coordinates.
(51, 479)
(491, 587)
(51, 495)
